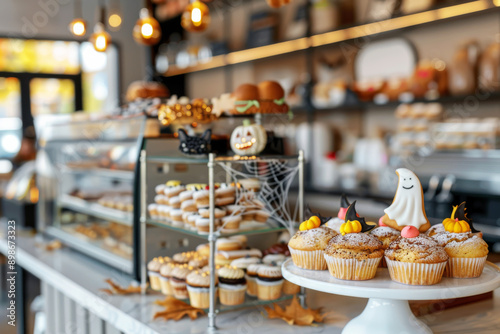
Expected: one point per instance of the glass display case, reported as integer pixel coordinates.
(87, 180)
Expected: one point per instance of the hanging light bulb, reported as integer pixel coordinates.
(146, 30)
(115, 16)
(78, 26)
(100, 39)
(196, 17)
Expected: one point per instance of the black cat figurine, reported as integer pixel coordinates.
(195, 145)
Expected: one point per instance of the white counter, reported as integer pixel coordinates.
(79, 278)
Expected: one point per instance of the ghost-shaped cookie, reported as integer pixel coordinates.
(407, 208)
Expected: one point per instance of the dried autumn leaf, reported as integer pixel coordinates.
(118, 290)
(176, 309)
(294, 314)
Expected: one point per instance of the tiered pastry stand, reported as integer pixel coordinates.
(388, 310)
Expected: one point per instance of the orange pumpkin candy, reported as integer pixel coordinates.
(454, 225)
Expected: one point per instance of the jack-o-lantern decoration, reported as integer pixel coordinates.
(248, 139)
(458, 222)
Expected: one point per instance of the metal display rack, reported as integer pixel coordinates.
(212, 162)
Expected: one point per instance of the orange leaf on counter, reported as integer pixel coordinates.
(176, 309)
(294, 314)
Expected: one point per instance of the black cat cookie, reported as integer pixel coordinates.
(195, 145)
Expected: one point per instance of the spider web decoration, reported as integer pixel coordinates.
(276, 178)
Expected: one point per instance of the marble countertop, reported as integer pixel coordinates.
(80, 278)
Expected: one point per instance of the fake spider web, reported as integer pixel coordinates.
(276, 177)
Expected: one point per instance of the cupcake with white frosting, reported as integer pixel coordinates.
(269, 282)
(232, 285)
(198, 286)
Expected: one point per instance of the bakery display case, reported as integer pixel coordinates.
(87, 180)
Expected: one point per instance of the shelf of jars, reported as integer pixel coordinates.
(390, 25)
(243, 196)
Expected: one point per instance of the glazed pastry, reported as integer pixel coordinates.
(232, 286)
(176, 217)
(234, 209)
(173, 188)
(203, 225)
(244, 262)
(269, 282)
(225, 191)
(178, 281)
(231, 222)
(307, 246)
(192, 221)
(186, 195)
(159, 189)
(203, 250)
(225, 244)
(414, 259)
(153, 210)
(407, 207)
(202, 197)
(224, 201)
(226, 257)
(242, 239)
(198, 286)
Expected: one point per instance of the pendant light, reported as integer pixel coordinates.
(100, 39)
(196, 17)
(115, 17)
(78, 27)
(147, 30)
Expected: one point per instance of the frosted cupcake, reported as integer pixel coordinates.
(251, 276)
(178, 281)
(269, 282)
(166, 273)
(467, 251)
(415, 260)
(198, 285)
(154, 273)
(232, 286)
(307, 245)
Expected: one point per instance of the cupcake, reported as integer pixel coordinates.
(198, 286)
(467, 251)
(232, 286)
(385, 235)
(306, 247)
(251, 276)
(414, 259)
(182, 258)
(178, 281)
(166, 273)
(198, 261)
(289, 288)
(154, 273)
(269, 282)
(203, 250)
(435, 229)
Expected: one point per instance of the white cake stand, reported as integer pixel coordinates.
(388, 310)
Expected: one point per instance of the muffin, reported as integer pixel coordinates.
(198, 261)
(203, 250)
(232, 286)
(198, 286)
(385, 235)
(154, 273)
(251, 276)
(467, 254)
(353, 256)
(166, 273)
(415, 260)
(178, 281)
(269, 282)
(306, 247)
(435, 229)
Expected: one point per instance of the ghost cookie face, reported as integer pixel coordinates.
(407, 208)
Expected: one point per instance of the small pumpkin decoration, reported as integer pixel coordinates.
(248, 139)
(458, 222)
(311, 223)
(353, 222)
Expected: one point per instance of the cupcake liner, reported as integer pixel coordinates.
(269, 290)
(179, 289)
(313, 260)
(290, 288)
(462, 267)
(415, 273)
(352, 269)
(154, 280)
(166, 288)
(199, 297)
(232, 294)
(251, 286)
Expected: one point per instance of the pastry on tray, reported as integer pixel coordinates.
(415, 259)
(269, 282)
(385, 235)
(198, 286)
(354, 255)
(232, 285)
(307, 246)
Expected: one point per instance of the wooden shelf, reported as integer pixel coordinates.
(340, 35)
